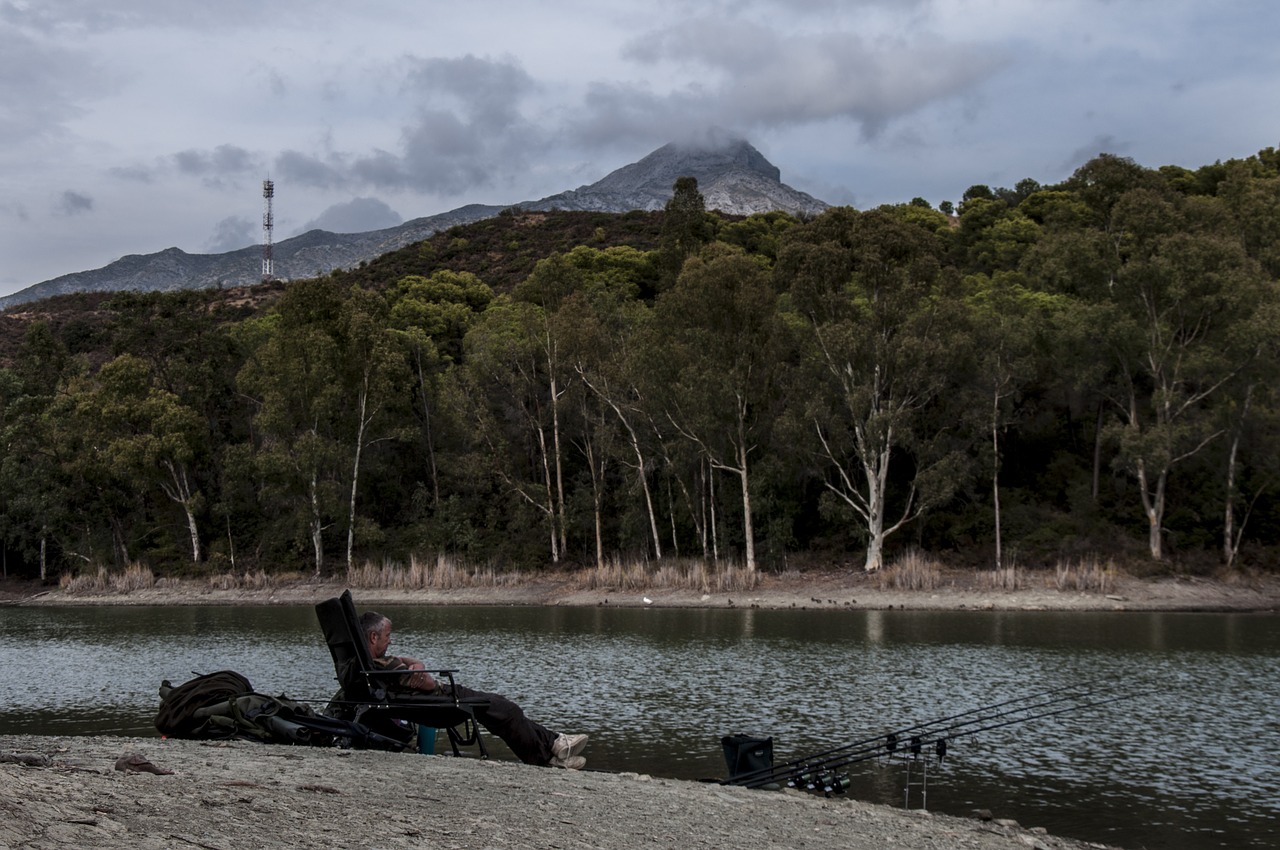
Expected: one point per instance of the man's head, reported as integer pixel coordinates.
(377, 633)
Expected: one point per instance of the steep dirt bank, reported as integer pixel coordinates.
(240, 794)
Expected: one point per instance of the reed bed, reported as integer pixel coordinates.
(678, 574)
(1088, 574)
(441, 573)
(134, 577)
(1005, 578)
(913, 571)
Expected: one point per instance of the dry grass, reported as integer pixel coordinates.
(1088, 574)
(913, 571)
(134, 577)
(679, 574)
(1005, 578)
(444, 573)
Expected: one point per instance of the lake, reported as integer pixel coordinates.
(1188, 762)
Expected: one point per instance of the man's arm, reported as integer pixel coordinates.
(419, 681)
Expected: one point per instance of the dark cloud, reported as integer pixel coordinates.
(222, 162)
(232, 234)
(358, 215)
(466, 130)
(74, 203)
(758, 78)
(308, 170)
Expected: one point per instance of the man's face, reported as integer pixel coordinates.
(380, 639)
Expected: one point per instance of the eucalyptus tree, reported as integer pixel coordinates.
(144, 437)
(430, 317)
(873, 294)
(685, 228)
(727, 348)
(603, 325)
(511, 398)
(1178, 283)
(1010, 323)
(294, 379)
(372, 372)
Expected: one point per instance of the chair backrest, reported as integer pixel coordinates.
(351, 659)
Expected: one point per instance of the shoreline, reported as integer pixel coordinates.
(847, 590)
(68, 792)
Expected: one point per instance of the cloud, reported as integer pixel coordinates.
(757, 77)
(466, 129)
(74, 203)
(306, 169)
(231, 234)
(358, 215)
(42, 85)
(218, 167)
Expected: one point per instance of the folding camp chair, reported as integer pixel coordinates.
(374, 697)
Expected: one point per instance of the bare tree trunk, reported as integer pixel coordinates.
(355, 467)
(1153, 507)
(748, 528)
(561, 518)
(1229, 543)
(178, 489)
(550, 499)
(995, 471)
(426, 424)
(317, 543)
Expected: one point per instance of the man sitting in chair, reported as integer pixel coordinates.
(532, 742)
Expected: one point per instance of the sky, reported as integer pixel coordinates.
(132, 126)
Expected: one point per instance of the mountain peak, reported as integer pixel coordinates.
(732, 175)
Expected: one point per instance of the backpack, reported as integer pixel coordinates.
(178, 716)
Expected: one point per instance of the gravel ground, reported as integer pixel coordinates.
(69, 792)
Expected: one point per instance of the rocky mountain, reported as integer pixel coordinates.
(733, 177)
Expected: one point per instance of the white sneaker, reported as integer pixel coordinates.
(570, 762)
(568, 746)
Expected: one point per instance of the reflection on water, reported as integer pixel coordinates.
(1191, 764)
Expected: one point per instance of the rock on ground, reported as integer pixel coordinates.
(67, 792)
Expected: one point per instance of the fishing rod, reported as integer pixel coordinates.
(819, 768)
(874, 742)
(892, 743)
(832, 778)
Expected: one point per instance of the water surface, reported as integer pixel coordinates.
(1191, 763)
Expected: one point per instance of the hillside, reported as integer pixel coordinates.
(734, 178)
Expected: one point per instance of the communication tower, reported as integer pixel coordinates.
(268, 224)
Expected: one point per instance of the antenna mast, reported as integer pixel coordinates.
(268, 224)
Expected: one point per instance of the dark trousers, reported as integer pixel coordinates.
(529, 740)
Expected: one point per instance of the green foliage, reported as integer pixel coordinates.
(565, 388)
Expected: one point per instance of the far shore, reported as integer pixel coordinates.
(847, 589)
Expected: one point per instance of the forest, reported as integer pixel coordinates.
(1087, 369)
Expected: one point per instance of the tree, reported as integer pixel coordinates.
(294, 377)
(869, 287)
(430, 317)
(1180, 285)
(1007, 320)
(729, 346)
(684, 228)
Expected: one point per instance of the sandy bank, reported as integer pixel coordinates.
(241, 794)
(846, 589)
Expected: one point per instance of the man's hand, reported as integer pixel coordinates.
(422, 681)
